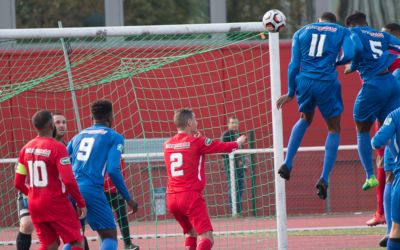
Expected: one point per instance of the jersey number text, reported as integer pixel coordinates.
(376, 48)
(313, 45)
(85, 148)
(176, 162)
(37, 174)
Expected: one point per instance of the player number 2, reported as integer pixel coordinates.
(85, 148)
(37, 174)
(176, 162)
(376, 48)
(317, 39)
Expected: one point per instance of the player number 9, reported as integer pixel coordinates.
(85, 148)
(176, 162)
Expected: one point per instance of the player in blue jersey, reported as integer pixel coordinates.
(95, 151)
(313, 78)
(390, 132)
(380, 91)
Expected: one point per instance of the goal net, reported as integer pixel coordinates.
(220, 71)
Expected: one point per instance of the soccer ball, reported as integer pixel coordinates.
(274, 20)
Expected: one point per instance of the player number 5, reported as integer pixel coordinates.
(37, 174)
(176, 162)
(376, 48)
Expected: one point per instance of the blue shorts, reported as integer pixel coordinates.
(377, 98)
(388, 160)
(396, 199)
(99, 214)
(326, 95)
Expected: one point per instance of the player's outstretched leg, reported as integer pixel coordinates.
(206, 241)
(298, 131)
(331, 148)
(365, 153)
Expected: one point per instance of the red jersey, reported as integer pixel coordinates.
(396, 64)
(184, 160)
(46, 163)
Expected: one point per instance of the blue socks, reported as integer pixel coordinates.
(298, 131)
(108, 244)
(331, 148)
(365, 152)
(387, 200)
(393, 244)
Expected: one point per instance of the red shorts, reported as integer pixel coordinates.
(68, 228)
(190, 210)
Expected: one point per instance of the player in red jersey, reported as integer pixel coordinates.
(24, 236)
(46, 162)
(184, 159)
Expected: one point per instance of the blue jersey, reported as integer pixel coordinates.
(390, 132)
(316, 52)
(372, 56)
(93, 152)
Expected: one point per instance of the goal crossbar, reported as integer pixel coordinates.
(131, 30)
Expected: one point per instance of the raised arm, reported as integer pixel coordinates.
(294, 65)
(358, 48)
(347, 50)
(209, 146)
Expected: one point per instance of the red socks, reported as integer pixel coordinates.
(380, 189)
(190, 243)
(204, 244)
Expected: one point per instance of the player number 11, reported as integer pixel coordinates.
(176, 162)
(313, 45)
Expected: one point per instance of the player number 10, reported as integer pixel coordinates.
(176, 162)
(37, 174)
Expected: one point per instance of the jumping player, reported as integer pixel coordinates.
(48, 166)
(95, 151)
(372, 59)
(184, 159)
(313, 78)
